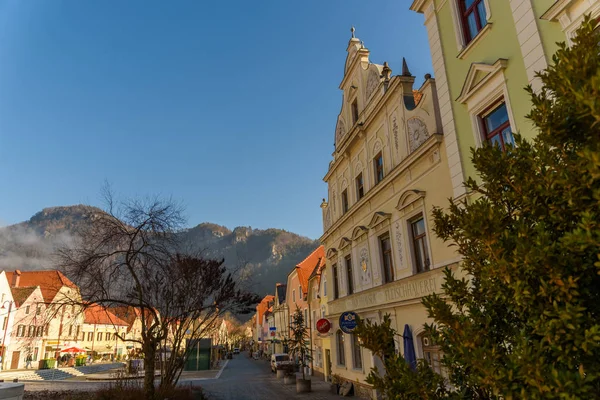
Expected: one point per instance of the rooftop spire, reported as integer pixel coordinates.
(352, 30)
(405, 71)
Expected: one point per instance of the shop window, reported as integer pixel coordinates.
(496, 126)
(473, 18)
(432, 354)
(356, 353)
(420, 247)
(341, 355)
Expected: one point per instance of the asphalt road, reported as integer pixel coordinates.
(247, 379)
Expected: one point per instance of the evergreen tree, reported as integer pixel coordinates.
(524, 321)
(299, 345)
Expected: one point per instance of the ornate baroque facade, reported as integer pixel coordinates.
(389, 170)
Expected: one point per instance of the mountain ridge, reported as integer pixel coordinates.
(261, 257)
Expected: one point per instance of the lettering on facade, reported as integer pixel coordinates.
(411, 290)
(397, 292)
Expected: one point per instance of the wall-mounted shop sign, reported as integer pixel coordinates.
(348, 321)
(323, 325)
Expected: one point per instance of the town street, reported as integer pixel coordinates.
(244, 379)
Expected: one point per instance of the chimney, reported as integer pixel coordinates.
(16, 278)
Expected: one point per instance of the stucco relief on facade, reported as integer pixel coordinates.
(365, 268)
(327, 221)
(372, 83)
(340, 130)
(395, 131)
(399, 246)
(417, 132)
(377, 146)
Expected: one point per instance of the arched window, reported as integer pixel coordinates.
(432, 353)
(356, 353)
(341, 355)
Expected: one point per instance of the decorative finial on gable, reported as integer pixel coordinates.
(405, 71)
(352, 30)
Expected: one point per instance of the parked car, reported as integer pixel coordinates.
(279, 361)
(236, 350)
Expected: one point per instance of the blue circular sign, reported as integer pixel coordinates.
(348, 321)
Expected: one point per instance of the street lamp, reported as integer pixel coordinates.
(10, 303)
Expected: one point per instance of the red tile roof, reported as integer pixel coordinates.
(99, 315)
(21, 294)
(308, 265)
(417, 95)
(263, 306)
(50, 282)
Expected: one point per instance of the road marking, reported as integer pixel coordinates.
(222, 368)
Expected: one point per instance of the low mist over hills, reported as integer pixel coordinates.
(261, 257)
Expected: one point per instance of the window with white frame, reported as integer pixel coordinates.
(420, 246)
(495, 125)
(472, 17)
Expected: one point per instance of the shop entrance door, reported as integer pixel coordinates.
(14, 362)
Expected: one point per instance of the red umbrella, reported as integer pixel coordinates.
(73, 350)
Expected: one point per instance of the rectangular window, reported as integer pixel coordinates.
(99, 337)
(90, 336)
(336, 292)
(314, 319)
(341, 355)
(496, 126)
(30, 331)
(27, 310)
(378, 164)
(419, 238)
(345, 201)
(35, 354)
(77, 331)
(21, 331)
(70, 330)
(473, 17)
(47, 328)
(38, 310)
(356, 353)
(354, 111)
(386, 258)
(5, 323)
(360, 187)
(40, 331)
(294, 296)
(325, 288)
(349, 275)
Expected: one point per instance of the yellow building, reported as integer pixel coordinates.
(389, 170)
(317, 304)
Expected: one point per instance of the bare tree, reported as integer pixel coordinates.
(128, 256)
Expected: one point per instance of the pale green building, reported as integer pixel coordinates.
(484, 53)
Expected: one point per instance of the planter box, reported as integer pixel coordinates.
(303, 385)
(47, 364)
(289, 379)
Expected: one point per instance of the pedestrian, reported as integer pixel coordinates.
(28, 360)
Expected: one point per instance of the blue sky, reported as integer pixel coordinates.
(227, 106)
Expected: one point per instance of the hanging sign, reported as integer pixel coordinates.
(323, 325)
(348, 321)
